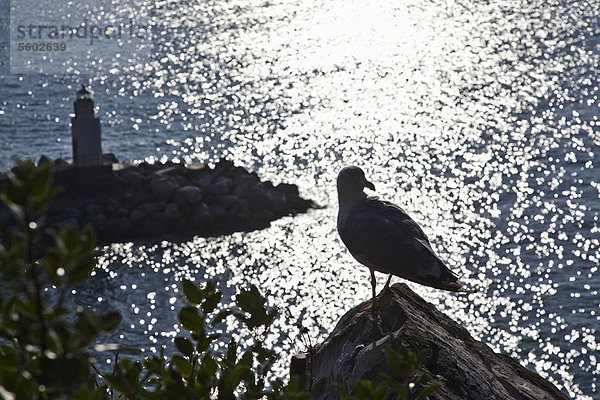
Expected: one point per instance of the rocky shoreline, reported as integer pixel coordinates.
(150, 201)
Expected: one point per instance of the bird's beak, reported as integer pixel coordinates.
(369, 185)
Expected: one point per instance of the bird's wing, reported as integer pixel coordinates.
(382, 236)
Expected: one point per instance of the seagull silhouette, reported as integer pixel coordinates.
(381, 236)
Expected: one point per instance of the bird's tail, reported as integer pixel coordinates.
(453, 286)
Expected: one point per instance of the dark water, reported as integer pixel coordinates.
(480, 119)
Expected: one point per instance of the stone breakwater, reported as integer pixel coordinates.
(149, 201)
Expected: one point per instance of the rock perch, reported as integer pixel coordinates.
(467, 368)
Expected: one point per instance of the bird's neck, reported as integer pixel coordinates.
(349, 199)
(344, 209)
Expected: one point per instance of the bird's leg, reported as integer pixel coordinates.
(386, 287)
(373, 286)
(387, 284)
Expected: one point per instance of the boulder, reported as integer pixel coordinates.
(44, 159)
(223, 166)
(109, 158)
(241, 212)
(228, 201)
(119, 226)
(217, 211)
(132, 176)
(201, 216)
(153, 227)
(279, 201)
(467, 368)
(98, 221)
(134, 197)
(137, 217)
(172, 215)
(289, 190)
(241, 189)
(221, 187)
(246, 178)
(262, 216)
(152, 207)
(117, 209)
(93, 209)
(59, 225)
(148, 200)
(191, 194)
(259, 199)
(70, 213)
(61, 162)
(163, 186)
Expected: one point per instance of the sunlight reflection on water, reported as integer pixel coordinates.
(481, 120)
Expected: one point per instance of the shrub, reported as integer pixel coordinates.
(45, 347)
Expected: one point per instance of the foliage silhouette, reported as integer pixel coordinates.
(45, 347)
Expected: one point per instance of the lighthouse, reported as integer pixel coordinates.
(85, 130)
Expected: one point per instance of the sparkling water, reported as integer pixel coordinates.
(479, 118)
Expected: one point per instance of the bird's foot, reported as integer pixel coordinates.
(374, 304)
(383, 292)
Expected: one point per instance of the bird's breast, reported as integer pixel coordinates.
(343, 213)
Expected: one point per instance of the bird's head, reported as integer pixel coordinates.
(350, 184)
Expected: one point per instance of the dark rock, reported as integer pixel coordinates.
(166, 170)
(153, 227)
(242, 189)
(172, 213)
(267, 186)
(204, 180)
(191, 194)
(262, 216)
(241, 212)
(98, 221)
(298, 204)
(228, 201)
(221, 187)
(163, 187)
(202, 217)
(119, 226)
(467, 368)
(44, 159)
(243, 183)
(217, 211)
(185, 208)
(137, 217)
(259, 199)
(290, 191)
(70, 213)
(152, 207)
(223, 166)
(279, 201)
(116, 209)
(132, 176)
(59, 162)
(236, 173)
(125, 202)
(93, 209)
(59, 225)
(135, 197)
(109, 158)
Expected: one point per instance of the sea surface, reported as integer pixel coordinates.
(479, 118)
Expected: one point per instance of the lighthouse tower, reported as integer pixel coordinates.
(85, 130)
